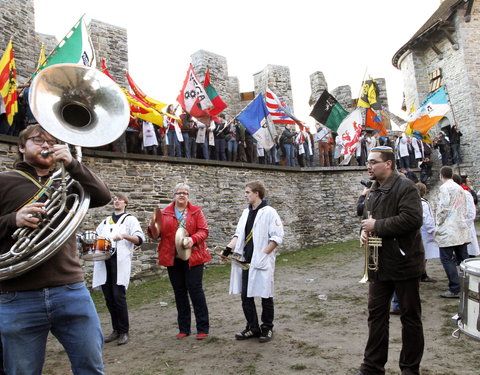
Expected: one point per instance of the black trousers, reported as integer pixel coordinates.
(376, 351)
(187, 281)
(250, 311)
(115, 297)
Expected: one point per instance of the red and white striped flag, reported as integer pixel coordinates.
(276, 109)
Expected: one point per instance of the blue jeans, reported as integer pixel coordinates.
(404, 162)
(67, 311)
(220, 147)
(186, 145)
(290, 154)
(456, 156)
(193, 147)
(232, 146)
(204, 147)
(173, 144)
(449, 262)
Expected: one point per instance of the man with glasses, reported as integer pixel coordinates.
(113, 275)
(393, 212)
(51, 297)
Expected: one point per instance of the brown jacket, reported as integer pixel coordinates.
(64, 267)
(397, 209)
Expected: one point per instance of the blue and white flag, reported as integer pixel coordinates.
(256, 119)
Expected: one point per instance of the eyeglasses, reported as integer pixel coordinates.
(181, 193)
(373, 162)
(40, 141)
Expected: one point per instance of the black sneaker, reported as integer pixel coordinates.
(266, 336)
(247, 334)
(113, 336)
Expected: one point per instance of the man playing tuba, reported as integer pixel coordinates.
(52, 296)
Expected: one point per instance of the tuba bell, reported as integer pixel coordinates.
(83, 107)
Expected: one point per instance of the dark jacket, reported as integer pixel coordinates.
(287, 137)
(63, 267)
(397, 209)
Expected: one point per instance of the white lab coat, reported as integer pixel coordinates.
(472, 247)
(127, 225)
(267, 227)
(428, 231)
(402, 146)
(417, 148)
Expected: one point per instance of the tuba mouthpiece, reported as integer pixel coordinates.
(45, 153)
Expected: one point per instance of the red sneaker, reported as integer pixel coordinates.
(182, 335)
(201, 336)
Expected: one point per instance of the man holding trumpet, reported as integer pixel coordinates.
(393, 212)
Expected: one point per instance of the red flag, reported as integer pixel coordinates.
(105, 70)
(193, 97)
(218, 104)
(8, 83)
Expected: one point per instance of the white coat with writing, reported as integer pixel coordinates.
(266, 227)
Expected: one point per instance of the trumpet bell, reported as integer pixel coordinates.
(70, 101)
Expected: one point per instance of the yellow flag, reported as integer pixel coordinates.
(8, 83)
(41, 58)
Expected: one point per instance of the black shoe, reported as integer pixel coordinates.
(266, 336)
(123, 339)
(247, 334)
(427, 279)
(113, 336)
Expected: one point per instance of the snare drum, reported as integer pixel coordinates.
(469, 318)
(95, 247)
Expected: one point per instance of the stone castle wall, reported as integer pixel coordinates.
(277, 78)
(316, 205)
(461, 74)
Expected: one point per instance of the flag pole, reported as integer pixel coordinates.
(55, 48)
(454, 119)
(27, 84)
(239, 113)
(363, 83)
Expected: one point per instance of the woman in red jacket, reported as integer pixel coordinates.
(185, 275)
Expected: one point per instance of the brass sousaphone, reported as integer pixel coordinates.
(83, 107)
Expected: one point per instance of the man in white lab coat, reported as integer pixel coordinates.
(259, 232)
(113, 275)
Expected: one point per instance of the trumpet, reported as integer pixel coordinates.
(371, 255)
(230, 256)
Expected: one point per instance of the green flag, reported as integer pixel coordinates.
(328, 111)
(75, 48)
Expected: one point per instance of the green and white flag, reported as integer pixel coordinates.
(75, 48)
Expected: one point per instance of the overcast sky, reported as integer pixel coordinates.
(342, 39)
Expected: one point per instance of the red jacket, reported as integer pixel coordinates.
(197, 227)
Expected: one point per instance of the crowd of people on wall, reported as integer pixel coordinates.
(224, 140)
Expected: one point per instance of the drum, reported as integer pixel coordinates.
(95, 248)
(469, 318)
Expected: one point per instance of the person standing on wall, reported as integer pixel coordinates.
(259, 232)
(113, 275)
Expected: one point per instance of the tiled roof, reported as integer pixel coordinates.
(442, 14)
